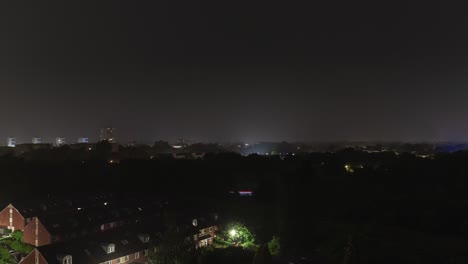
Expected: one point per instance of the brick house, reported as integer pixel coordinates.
(11, 218)
(205, 236)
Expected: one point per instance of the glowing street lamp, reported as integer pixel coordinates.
(233, 232)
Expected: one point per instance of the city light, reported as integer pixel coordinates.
(233, 232)
(348, 168)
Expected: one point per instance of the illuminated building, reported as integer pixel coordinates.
(11, 142)
(83, 140)
(37, 140)
(181, 143)
(107, 134)
(60, 142)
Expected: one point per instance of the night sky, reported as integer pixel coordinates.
(234, 70)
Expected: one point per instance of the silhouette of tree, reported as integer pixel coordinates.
(262, 256)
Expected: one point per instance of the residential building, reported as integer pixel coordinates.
(11, 142)
(11, 218)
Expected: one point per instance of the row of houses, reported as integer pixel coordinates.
(111, 247)
(101, 229)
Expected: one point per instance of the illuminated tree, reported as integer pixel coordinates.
(274, 246)
(237, 234)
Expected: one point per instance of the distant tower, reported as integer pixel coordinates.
(60, 141)
(107, 134)
(11, 142)
(83, 140)
(36, 140)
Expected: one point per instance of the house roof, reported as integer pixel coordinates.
(90, 219)
(44, 206)
(92, 249)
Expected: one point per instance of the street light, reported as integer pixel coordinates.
(233, 232)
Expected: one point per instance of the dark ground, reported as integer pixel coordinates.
(390, 208)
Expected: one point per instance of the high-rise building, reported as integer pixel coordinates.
(37, 140)
(83, 140)
(60, 141)
(107, 134)
(11, 142)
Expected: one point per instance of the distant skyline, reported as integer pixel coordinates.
(95, 139)
(234, 71)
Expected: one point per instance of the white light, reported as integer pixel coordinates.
(79, 208)
(105, 203)
(232, 232)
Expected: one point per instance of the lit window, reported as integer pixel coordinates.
(110, 248)
(137, 255)
(67, 260)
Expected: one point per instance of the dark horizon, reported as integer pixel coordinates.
(243, 71)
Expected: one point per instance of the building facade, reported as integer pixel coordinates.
(11, 218)
(11, 142)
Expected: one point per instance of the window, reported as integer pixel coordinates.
(110, 248)
(145, 253)
(144, 238)
(67, 260)
(211, 229)
(123, 259)
(108, 262)
(36, 260)
(137, 255)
